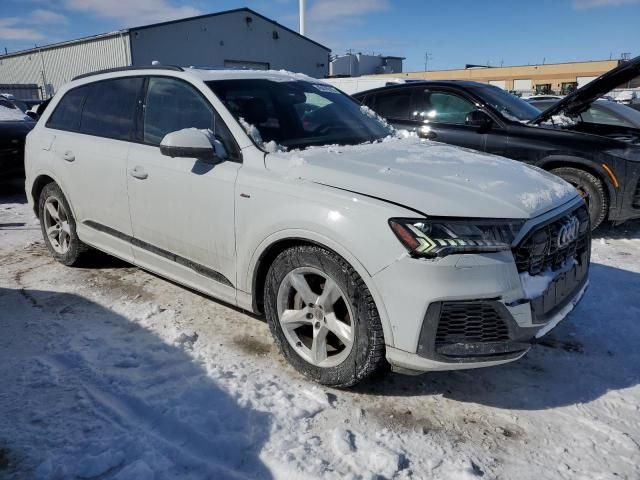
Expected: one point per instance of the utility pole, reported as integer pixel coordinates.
(427, 56)
(302, 18)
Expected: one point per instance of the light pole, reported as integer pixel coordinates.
(427, 56)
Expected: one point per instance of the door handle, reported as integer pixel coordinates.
(68, 156)
(138, 172)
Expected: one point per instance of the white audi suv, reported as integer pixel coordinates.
(277, 193)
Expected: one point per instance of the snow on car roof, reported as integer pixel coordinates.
(273, 75)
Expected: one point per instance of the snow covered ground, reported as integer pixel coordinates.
(108, 372)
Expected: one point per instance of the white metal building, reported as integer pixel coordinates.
(357, 64)
(239, 38)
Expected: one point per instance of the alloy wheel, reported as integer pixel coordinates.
(56, 223)
(316, 317)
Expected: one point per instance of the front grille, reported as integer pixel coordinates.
(636, 196)
(470, 322)
(540, 251)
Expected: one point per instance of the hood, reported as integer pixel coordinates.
(580, 100)
(432, 178)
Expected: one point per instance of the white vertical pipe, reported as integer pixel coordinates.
(302, 20)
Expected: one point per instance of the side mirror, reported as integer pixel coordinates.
(193, 143)
(478, 119)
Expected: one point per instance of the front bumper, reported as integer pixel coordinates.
(469, 311)
(629, 196)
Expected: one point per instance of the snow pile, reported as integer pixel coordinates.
(254, 133)
(112, 373)
(12, 115)
(371, 114)
(560, 120)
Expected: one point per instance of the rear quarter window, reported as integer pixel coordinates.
(66, 115)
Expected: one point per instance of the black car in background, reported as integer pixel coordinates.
(14, 127)
(601, 160)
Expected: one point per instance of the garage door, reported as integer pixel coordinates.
(582, 81)
(522, 84)
(499, 83)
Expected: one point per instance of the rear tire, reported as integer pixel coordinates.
(59, 226)
(591, 188)
(294, 289)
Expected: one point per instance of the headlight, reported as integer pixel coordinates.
(438, 238)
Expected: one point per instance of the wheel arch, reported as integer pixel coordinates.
(270, 248)
(549, 163)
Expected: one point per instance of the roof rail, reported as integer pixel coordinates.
(125, 69)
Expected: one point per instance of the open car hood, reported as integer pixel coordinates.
(580, 100)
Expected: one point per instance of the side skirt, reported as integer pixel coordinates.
(185, 262)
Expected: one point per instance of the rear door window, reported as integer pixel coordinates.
(394, 105)
(66, 116)
(109, 110)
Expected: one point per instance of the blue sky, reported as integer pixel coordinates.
(454, 32)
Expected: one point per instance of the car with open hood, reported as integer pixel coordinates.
(601, 160)
(279, 194)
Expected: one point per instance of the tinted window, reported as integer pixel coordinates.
(444, 107)
(109, 110)
(395, 104)
(172, 105)
(66, 116)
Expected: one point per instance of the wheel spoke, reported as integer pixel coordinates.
(302, 287)
(53, 211)
(51, 230)
(340, 329)
(330, 295)
(319, 345)
(293, 319)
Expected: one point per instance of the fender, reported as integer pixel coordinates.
(247, 282)
(47, 173)
(574, 161)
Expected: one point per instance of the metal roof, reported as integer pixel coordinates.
(226, 12)
(127, 30)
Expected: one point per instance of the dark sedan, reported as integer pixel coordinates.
(14, 127)
(601, 160)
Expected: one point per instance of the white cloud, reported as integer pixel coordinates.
(40, 17)
(324, 10)
(10, 30)
(134, 12)
(584, 4)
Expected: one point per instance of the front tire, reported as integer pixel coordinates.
(59, 226)
(591, 188)
(322, 317)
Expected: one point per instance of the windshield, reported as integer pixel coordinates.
(297, 114)
(510, 106)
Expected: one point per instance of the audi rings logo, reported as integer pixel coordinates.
(568, 232)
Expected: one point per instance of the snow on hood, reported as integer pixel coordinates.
(430, 177)
(12, 115)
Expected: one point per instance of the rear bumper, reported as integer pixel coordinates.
(11, 163)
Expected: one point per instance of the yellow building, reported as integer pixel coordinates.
(550, 77)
